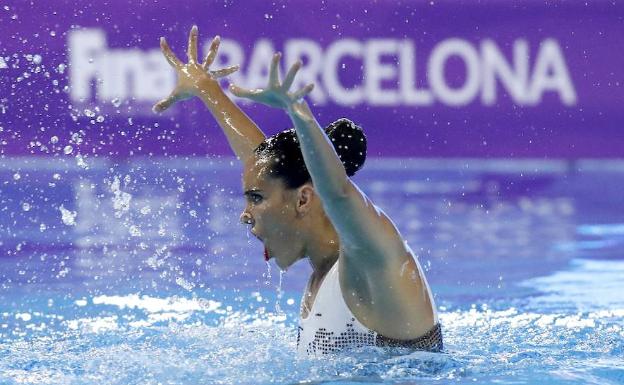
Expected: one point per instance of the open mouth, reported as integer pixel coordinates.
(266, 250)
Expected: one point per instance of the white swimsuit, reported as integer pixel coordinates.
(330, 326)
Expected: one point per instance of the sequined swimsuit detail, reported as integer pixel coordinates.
(330, 326)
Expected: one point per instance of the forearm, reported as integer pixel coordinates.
(326, 170)
(242, 133)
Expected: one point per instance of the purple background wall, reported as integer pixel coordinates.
(62, 89)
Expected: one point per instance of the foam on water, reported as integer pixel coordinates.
(171, 341)
(133, 338)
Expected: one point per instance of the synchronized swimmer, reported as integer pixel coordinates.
(367, 287)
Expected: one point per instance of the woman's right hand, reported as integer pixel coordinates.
(194, 79)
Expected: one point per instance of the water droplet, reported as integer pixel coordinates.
(26, 206)
(80, 161)
(116, 102)
(54, 139)
(68, 149)
(37, 59)
(68, 217)
(135, 231)
(76, 138)
(17, 176)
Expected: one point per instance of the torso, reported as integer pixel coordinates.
(327, 324)
(399, 292)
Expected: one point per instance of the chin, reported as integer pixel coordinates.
(284, 263)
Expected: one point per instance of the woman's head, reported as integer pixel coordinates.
(282, 207)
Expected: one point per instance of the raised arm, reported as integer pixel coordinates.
(196, 79)
(359, 223)
(380, 278)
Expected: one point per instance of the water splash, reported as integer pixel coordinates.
(279, 293)
(68, 217)
(267, 275)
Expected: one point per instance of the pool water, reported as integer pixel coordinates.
(139, 273)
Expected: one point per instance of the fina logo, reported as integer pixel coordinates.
(145, 76)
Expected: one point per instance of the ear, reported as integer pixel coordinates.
(305, 199)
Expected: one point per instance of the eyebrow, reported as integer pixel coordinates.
(252, 191)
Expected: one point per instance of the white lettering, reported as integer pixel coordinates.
(119, 73)
(335, 89)
(375, 72)
(551, 73)
(407, 65)
(388, 74)
(154, 78)
(85, 47)
(496, 67)
(437, 63)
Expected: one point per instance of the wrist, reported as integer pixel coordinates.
(209, 91)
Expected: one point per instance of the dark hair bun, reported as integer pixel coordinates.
(286, 161)
(350, 143)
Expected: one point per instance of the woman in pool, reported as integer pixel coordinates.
(367, 287)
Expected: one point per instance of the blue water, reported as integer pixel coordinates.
(139, 273)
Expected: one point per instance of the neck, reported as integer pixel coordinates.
(323, 249)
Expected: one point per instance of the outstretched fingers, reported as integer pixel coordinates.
(166, 102)
(274, 71)
(302, 92)
(290, 76)
(212, 52)
(244, 93)
(191, 52)
(169, 55)
(224, 71)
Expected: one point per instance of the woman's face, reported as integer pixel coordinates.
(270, 210)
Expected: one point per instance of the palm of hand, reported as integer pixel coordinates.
(192, 76)
(276, 94)
(269, 96)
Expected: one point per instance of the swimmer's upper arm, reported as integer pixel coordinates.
(364, 229)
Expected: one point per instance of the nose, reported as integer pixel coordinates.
(246, 218)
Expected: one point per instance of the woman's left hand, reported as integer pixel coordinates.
(276, 94)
